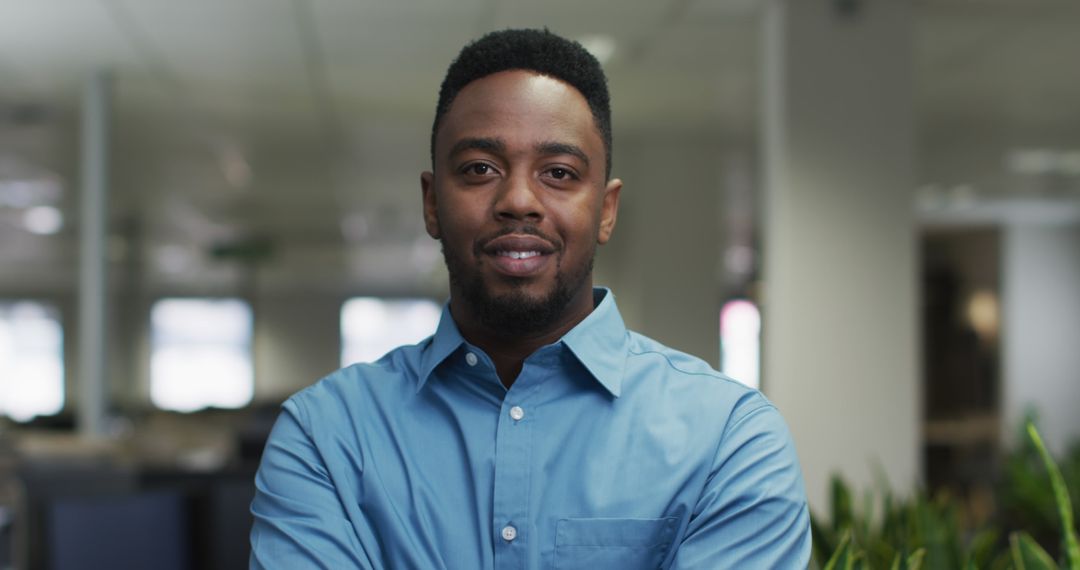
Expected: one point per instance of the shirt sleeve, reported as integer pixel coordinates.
(752, 512)
(299, 519)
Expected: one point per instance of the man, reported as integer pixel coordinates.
(532, 430)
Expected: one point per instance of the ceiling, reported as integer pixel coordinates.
(306, 121)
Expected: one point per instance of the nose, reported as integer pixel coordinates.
(517, 200)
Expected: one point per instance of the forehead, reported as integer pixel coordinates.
(520, 107)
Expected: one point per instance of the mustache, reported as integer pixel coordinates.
(520, 229)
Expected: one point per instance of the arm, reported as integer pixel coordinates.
(752, 512)
(299, 518)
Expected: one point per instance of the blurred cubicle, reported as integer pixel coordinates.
(870, 210)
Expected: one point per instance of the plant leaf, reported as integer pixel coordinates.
(1061, 495)
(1028, 555)
(915, 561)
(842, 512)
(824, 540)
(841, 551)
(853, 557)
(981, 548)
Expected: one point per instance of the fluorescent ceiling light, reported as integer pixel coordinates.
(1042, 161)
(43, 220)
(24, 193)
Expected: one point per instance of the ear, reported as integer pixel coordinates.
(609, 210)
(431, 216)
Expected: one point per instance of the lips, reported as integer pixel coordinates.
(519, 255)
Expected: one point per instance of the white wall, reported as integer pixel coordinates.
(1041, 330)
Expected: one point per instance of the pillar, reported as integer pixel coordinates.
(839, 243)
(93, 261)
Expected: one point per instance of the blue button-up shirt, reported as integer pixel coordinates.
(608, 451)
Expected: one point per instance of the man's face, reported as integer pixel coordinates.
(519, 199)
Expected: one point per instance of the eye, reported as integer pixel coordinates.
(561, 174)
(477, 169)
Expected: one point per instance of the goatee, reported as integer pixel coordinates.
(516, 313)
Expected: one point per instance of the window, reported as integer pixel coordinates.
(740, 342)
(200, 354)
(371, 327)
(31, 360)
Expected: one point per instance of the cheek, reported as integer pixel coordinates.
(585, 221)
(458, 230)
(463, 206)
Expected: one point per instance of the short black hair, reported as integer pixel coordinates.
(532, 50)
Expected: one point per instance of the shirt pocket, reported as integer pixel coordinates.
(623, 543)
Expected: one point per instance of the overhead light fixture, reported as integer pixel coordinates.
(1043, 161)
(601, 46)
(1031, 161)
(43, 220)
(29, 192)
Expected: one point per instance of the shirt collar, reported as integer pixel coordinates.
(446, 341)
(599, 342)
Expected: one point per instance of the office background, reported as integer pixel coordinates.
(206, 206)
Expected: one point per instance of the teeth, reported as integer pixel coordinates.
(519, 254)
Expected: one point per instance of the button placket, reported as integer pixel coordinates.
(513, 472)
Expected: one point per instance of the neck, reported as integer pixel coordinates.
(509, 351)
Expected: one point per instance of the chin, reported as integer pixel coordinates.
(522, 292)
(515, 305)
(518, 310)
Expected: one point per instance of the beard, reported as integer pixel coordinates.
(516, 312)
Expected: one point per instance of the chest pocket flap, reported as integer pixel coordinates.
(625, 543)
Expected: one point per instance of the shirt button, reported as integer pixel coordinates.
(470, 359)
(509, 533)
(517, 413)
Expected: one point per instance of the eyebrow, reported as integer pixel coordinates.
(551, 148)
(486, 144)
(498, 145)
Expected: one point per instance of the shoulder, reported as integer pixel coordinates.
(671, 370)
(678, 363)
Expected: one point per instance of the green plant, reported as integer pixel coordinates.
(1025, 502)
(929, 533)
(887, 533)
(1026, 552)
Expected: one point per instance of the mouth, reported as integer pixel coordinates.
(519, 255)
